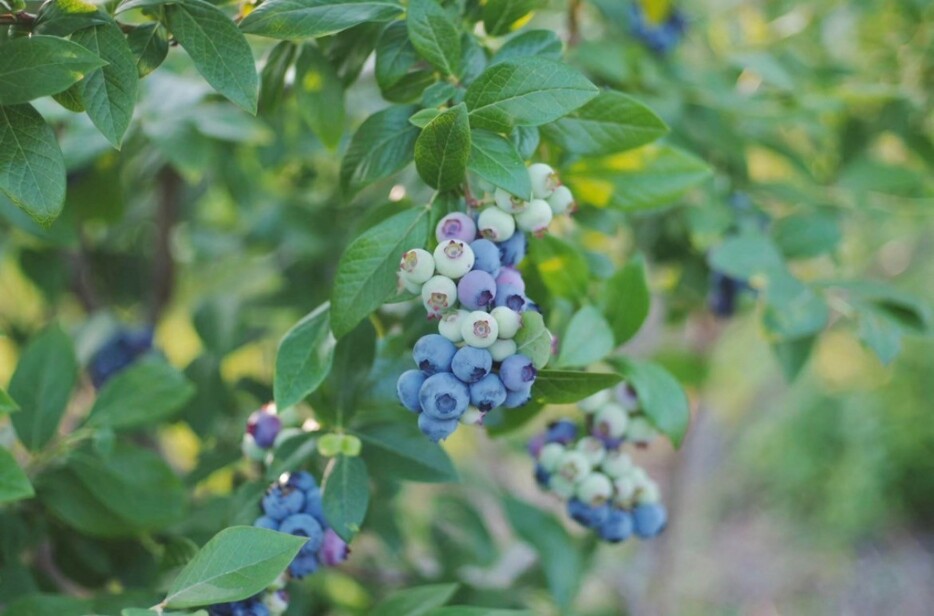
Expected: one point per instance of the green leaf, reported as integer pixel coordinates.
(500, 15)
(42, 384)
(468, 610)
(36, 66)
(149, 44)
(587, 339)
(366, 274)
(562, 267)
(442, 149)
(395, 55)
(532, 43)
(792, 308)
(792, 355)
(127, 5)
(236, 563)
(7, 404)
(32, 169)
(526, 92)
(626, 299)
(384, 144)
(416, 601)
(65, 17)
(501, 420)
(273, 75)
(304, 357)
(353, 360)
(296, 19)
(745, 256)
(422, 118)
(612, 122)
(806, 235)
(526, 140)
(109, 93)
(438, 93)
(14, 485)
(434, 35)
(147, 392)
(401, 450)
(320, 96)
(533, 339)
(346, 496)
(217, 48)
(494, 158)
(910, 312)
(558, 556)
(880, 333)
(661, 397)
(568, 386)
(71, 502)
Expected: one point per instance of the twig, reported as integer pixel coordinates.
(163, 269)
(574, 27)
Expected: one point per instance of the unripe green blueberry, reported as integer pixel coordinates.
(617, 464)
(275, 603)
(450, 324)
(417, 266)
(408, 285)
(593, 448)
(479, 329)
(350, 446)
(625, 491)
(439, 294)
(472, 416)
(251, 450)
(561, 201)
(573, 466)
(536, 218)
(508, 202)
(595, 489)
(550, 456)
(453, 258)
(278, 583)
(562, 488)
(592, 404)
(501, 349)
(647, 493)
(329, 445)
(627, 397)
(496, 225)
(544, 180)
(508, 319)
(611, 420)
(640, 431)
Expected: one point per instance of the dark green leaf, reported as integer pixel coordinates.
(416, 601)
(217, 48)
(442, 149)
(587, 339)
(568, 386)
(501, 420)
(320, 96)
(500, 15)
(42, 384)
(31, 67)
(562, 267)
(402, 450)
(801, 236)
(127, 5)
(434, 35)
(467, 610)
(366, 274)
(237, 563)
(14, 485)
(661, 398)
(526, 92)
(346, 496)
(272, 77)
(295, 19)
(70, 501)
(353, 360)
(150, 45)
(304, 357)
(438, 93)
(395, 55)
(147, 392)
(494, 158)
(64, 17)
(626, 299)
(533, 339)
(384, 144)
(532, 43)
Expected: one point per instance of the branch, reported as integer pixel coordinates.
(574, 27)
(163, 269)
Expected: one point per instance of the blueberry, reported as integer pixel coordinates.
(509, 321)
(512, 250)
(121, 350)
(438, 295)
(508, 202)
(453, 258)
(471, 364)
(561, 201)
(511, 297)
(486, 257)
(496, 225)
(444, 397)
(304, 525)
(544, 180)
(450, 323)
(303, 565)
(501, 349)
(279, 502)
(536, 218)
(407, 388)
(587, 515)
(517, 372)
(551, 455)
(515, 399)
(510, 276)
(265, 521)
(535, 445)
(649, 520)
(488, 393)
(480, 329)
(417, 266)
(302, 481)
(334, 550)
(476, 290)
(617, 526)
(264, 426)
(433, 354)
(456, 226)
(314, 506)
(721, 298)
(436, 429)
(562, 431)
(542, 477)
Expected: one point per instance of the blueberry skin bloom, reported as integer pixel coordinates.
(444, 397)
(511, 297)
(471, 364)
(486, 257)
(433, 354)
(518, 372)
(436, 429)
(587, 515)
(304, 525)
(617, 526)
(510, 276)
(476, 290)
(488, 393)
(649, 520)
(562, 431)
(512, 251)
(407, 387)
(280, 503)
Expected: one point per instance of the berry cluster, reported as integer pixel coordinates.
(660, 30)
(270, 602)
(605, 491)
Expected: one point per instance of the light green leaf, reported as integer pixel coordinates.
(562, 267)
(149, 44)
(217, 48)
(147, 392)
(297, 19)
(346, 496)
(14, 485)
(236, 563)
(494, 158)
(442, 149)
(533, 339)
(36, 66)
(568, 386)
(320, 96)
(626, 299)
(880, 333)
(416, 601)
(127, 5)
(805, 235)
(587, 339)
(660, 396)
(366, 274)
(526, 92)
(532, 43)
(384, 144)
(304, 358)
(792, 355)
(434, 35)
(500, 15)
(401, 450)
(423, 117)
(745, 256)
(7, 404)
(792, 308)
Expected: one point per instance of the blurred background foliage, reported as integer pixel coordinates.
(811, 496)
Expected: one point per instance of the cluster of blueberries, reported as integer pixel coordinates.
(270, 602)
(660, 33)
(120, 350)
(605, 491)
(470, 284)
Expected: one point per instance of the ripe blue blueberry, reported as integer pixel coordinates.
(444, 397)
(512, 250)
(314, 506)
(264, 521)
(471, 364)
(511, 297)
(476, 290)
(264, 425)
(517, 372)
(649, 520)
(456, 226)
(486, 257)
(303, 565)
(119, 352)
(617, 526)
(436, 429)
(304, 525)
(517, 398)
(488, 393)
(510, 276)
(279, 502)
(562, 431)
(407, 388)
(433, 354)
(587, 515)
(542, 477)
(302, 481)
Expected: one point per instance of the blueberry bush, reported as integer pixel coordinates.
(264, 260)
